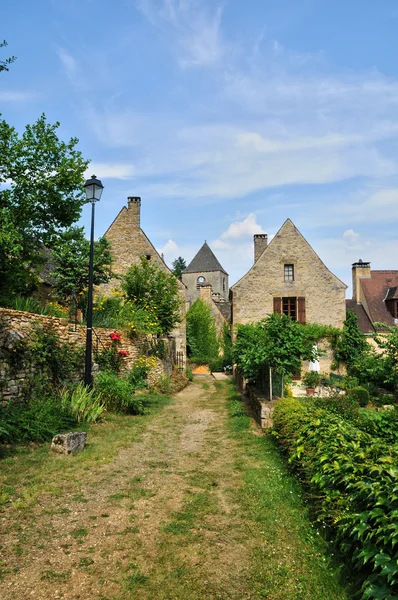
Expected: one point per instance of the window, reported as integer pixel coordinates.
(292, 307)
(289, 272)
(223, 284)
(148, 257)
(289, 307)
(199, 281)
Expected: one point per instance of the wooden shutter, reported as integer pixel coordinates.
(278, 305)
(301, 310)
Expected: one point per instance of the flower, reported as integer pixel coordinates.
(124, 352)
(107, 343)
(115, 337)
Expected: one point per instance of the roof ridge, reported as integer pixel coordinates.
(204, 261)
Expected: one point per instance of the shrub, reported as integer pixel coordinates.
(352, 480)
(311, 379)
(217, 364)
(164, 384)
(84, 403)
(382, 424)
(37, 420)
(342, 405)
(117, 394)
(202, 342)
(138, 375)
(360, 395)
(189, 374)
(110, 357)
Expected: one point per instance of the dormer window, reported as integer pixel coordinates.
(392, 301)
(289, 272)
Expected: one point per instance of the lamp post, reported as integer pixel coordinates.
(93, 188)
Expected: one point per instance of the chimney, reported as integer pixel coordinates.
(260, 244)
(134, 211)
(205, 292)
(360, 270)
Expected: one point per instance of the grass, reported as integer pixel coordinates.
(293, 561)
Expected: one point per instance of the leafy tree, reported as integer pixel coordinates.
(149, 287)
(350, 344)
(276, 341)
(202, 342)
(389, 344)
(44, 195)
(178, 265)
(4, 64)
(71, 254)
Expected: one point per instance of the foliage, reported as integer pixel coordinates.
(339, 404)
(44, 197)
(178, 265)
(117, 394)
(382, 424)
(226, 345)
(352, 480)
(111, 356)
(71, 254)
(37, 420)
(164, 384)
(83, 403)
(277, 341)
(311, 379)
(34, 306)
(189, 374)
(350, 345)
(389, 345)
(115, 311)
(150, 288)
(4, 64)
(360, 395)
(140, 370)
(202, 342)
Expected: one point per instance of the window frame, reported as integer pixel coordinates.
(288, 272)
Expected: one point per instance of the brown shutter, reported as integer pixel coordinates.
(278, 305)
(301, 310)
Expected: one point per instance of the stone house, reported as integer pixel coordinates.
(129, 243)
(288, 277)
(374, 296)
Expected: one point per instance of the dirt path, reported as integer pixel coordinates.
(160, 521)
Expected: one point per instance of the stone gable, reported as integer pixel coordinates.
(323, 293)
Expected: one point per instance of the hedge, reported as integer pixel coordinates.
(353, 482)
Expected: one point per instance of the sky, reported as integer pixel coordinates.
(226, 117)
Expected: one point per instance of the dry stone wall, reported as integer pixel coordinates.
(18, 327)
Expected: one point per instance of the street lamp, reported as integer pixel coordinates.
(93, 188)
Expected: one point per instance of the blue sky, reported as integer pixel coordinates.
(225, 117)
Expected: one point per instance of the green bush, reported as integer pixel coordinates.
(311, 379)
(360, 395)
(342, 405)
(189, 374)
(352, 480)
(382, 424)
(35, 421)
(117, 394)
(164, 384)
(217, 364)
(202, 342)
(84, 403)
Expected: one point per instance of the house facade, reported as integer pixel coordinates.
(374, 296)
(288, 277)
(128, 244)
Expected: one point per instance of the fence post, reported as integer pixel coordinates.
(270, 383)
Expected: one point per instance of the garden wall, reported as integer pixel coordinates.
(16, 325)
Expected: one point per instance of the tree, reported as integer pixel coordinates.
(44, 195)
(178, 265)
(351, 344)
(71, 254)
(202, 342)
(4, 64)
(389, 344)
(276, 341)
(149, 287)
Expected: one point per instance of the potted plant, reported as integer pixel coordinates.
(311, 380)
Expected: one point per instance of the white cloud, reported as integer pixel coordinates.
(194, 28)
(170, 251)
(351, 236)
(105, 170)
(244, 228)
(15, 96)
(69, 63)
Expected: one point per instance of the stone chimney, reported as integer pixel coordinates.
(134, 211)
(360, 270)
(205, 291)
(260, 244)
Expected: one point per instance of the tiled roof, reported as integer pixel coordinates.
(364, 322)
(392, 293)
(204, 261)
(375, 290)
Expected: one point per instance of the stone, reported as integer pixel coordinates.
(66, 443)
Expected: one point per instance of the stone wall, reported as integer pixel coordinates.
(324, 293)
(217, 279)
(16, 326)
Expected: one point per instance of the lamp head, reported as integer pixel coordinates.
(93, 188)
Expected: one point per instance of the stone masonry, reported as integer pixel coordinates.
(17, 326)
(253, 295)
